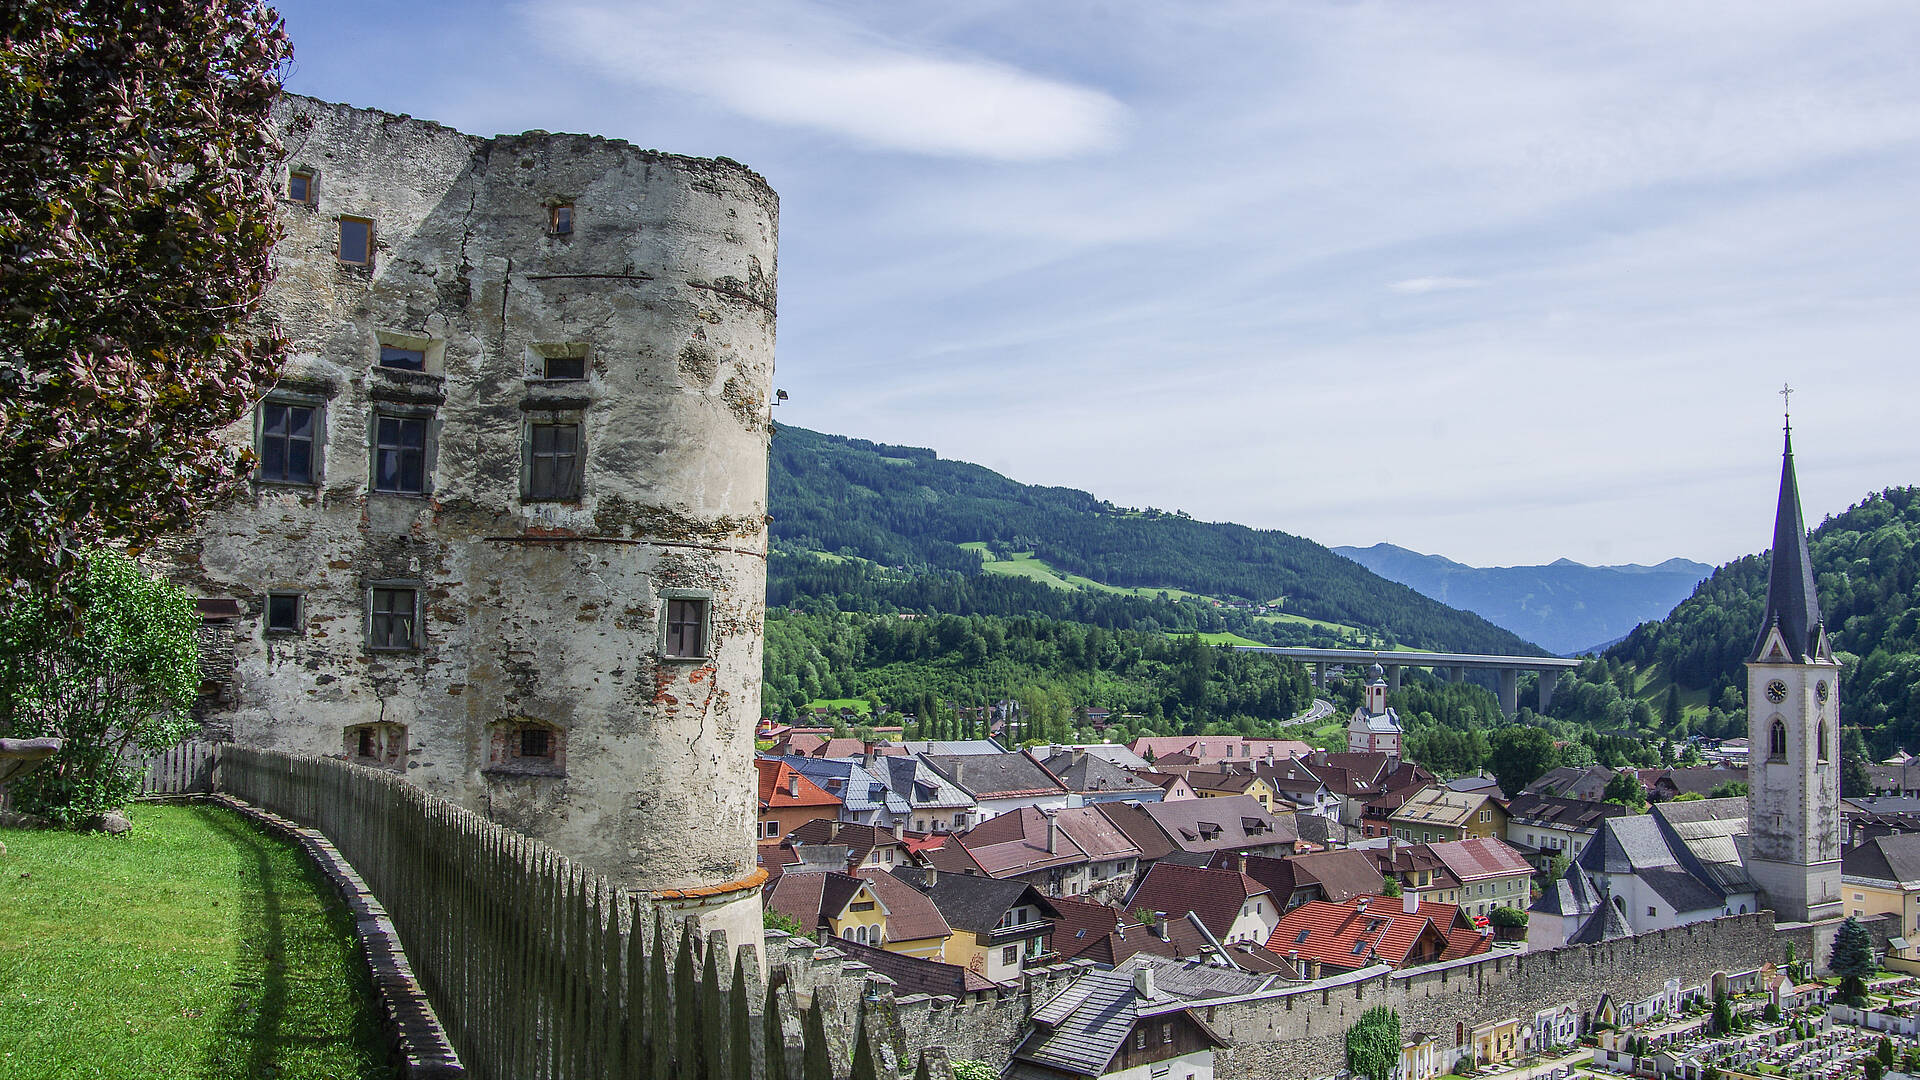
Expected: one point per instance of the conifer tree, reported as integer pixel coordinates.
(1853, 961)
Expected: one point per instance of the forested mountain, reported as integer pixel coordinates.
(1866, 564)
(1566, 606)
(908, 511)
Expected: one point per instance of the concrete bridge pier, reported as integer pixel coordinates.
(1549, 678)
(1393, 676)
(1509, 691)
(1320, 674)
(1456, 674)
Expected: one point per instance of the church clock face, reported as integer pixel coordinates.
(1820, 691)
(1777, 691)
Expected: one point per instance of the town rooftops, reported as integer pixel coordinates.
(1021, 842)
(781, 785)
(913, 974)
(1573, 782)
(1080, 1031)
(1480, 858)
(997, 776)
(1441, 807)
(1231, 783)
(1232, 822)
(1101, 933)
(1893, 859)
(1375, 930)
(1091, 774)
(921, 787)
(911, 916)
(1215, 896)
(814, 898)
(975, 904)
(859, 839)
(1095, 834)
(857, 788)
(1569, 815)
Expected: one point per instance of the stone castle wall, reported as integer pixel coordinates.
(544, 613)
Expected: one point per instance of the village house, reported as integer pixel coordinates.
(1438, 814)
(1296, 879)
(1216, 785)
(1399, 932)
(867, 845)
(1094, 778)
(1102, 933)
(1586, 783)
(863, 798)
(1231, 905)
(1882, 877)
(1202, 827)
(871, 908)
(1542, 826)
(1116, 1024)
(934, 804)
(788, 799)
(1002, 783)
(1025, 845)
(1173, 787)
(1491, 875)
(1000, 928)
(1417, 869)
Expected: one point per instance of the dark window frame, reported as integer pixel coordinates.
(1777, 740)
(409, 358)
(381, 598)
(340, 241)
(379, 447)
(304, 179)
(299, 614)
(315, 439)
(672, 627)
(546, 480)
(560, 219)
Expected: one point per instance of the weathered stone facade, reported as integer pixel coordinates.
(537, 413)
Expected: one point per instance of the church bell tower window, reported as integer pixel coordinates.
(1777, 742)
(1820, 747)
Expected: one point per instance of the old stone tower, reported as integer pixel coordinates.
(1793, 724)
(507, 536)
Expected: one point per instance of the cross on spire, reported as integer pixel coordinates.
(1786, 394)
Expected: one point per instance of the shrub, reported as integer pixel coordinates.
(1373, 1043)
(1511, 918)
(122, 677)
(968, 1069)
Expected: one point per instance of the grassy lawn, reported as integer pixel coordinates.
(1025, 564)
(194, 946)
(1222, 638)
(859, 705)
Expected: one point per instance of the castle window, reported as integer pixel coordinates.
(1777, 742)
(558, 361)
(378, 745)
(356, 242)
(400, 454)
(288, 436)
(1820, 747)
(684, 626)
(300, 187)
(560, 220)
(530, 747)
(402, 358)
(283, 613)
(553, 461)
(393, 619)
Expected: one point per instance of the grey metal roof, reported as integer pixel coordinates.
(1708, 830)
(989, 776)
(953, 746)
(1193, 979)
(1624, 845)
(1885, 858)
(1680, 888)
(1095, 775)
(1606, 924)
(1083, 1028)
(921, 787)
(857, 788)
(1792, 604)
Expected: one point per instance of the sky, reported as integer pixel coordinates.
(1505, 282)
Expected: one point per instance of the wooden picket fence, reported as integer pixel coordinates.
(538, 968)
(187, 769)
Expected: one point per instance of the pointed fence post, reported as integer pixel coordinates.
(745, 1023)
(934, 1065)
(660, 994)
(688, 1044)
(785, 1031)
(714, 1001)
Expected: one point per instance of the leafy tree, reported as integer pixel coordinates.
(1884, 1050)
(774, 919)
(1390, 887)
(1855, 780)
(1624, 788)
(971, 1069)
(1520, 755)
(1557, 866)
(1373, 1044)
(1688, 796)
(122, 678)
(1670, 711)
(137, 202)
(1853, 960)
(1730, 789)
(1872, 1069)
(1511, 918)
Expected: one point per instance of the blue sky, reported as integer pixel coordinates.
(1502, 281)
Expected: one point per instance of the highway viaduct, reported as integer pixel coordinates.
(1455, 665)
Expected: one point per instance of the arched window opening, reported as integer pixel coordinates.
(1821, 746)
(1777, 742)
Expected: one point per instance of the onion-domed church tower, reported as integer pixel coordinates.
(1793, 722)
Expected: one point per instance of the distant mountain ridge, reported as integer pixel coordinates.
(909, 510)
(1566, 606)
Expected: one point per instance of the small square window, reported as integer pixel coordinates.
(364, 745)
(536, 742)
(283, 613)
(394, 619)
(560, 219)
(400, 454)
(1166, 1031)
(404, 359)
(1010, 955)
(300, 187)
(356, 242)
(565, 367)
(686, 628)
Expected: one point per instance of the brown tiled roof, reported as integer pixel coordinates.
(910, 915)
(1382, 933)
(812, 898)
(1231, 822)
(1014, 844)
(1214, 895)
(1341, 875)
(1479, 857)
(778, 779)
(913, 974)
(1235, 782)
(1095, 834)
(860, 839)
(1101, 933)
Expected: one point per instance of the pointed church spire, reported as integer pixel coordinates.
(1791, 602)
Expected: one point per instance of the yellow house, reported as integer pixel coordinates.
(1496, 1041)
(1882, 877)
(870, 909)
(1216, 785)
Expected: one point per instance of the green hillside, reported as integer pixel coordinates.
(908, 530)
(1867, 568)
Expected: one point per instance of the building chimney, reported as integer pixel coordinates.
(1409, 901)
(1143, 982)
(793, 785)
(899, 830)
(833, 829)
(1361, 904)
(1053, 835)
(1313, 969)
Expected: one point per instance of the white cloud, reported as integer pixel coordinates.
(1434, 284)
(794, 63)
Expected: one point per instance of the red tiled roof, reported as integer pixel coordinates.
(1214, 895)
(1382, 933)
(1014, 844)
(777, 779)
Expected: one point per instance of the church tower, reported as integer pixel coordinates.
(1793, 724)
